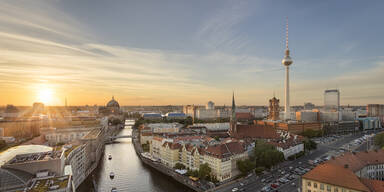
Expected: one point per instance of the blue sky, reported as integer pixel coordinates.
(190, 52)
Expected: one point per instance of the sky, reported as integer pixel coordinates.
(189, 52)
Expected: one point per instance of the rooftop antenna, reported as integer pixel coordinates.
(286, 36)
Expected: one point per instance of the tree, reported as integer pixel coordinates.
(188, 121)
(2, 144)
(259, 170)
(266, 155)
(379, 140)
(245, 166)
(179, 166)
(309, 144)
(204, 171)
(310, 133)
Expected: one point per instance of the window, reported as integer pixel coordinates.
(328, 188)
(322, 186)
(315, 185)
(309, 190)
(336, 189)
(309, 183)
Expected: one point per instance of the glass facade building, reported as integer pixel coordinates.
(331, 100)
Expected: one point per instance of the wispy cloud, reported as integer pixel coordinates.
(219, 31)
(40, 44)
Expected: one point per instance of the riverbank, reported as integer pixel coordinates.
(161, 168)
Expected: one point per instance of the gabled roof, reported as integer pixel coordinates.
(336, 175)
(357, 161)
(225, 150)
(374, 185)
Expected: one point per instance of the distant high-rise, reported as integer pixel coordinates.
(375, 110)
(309, 106)
(210, 105)
(287, 61)
(331, 100)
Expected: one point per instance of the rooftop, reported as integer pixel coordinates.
(340, 171)
(48, 184)
(336, 175)
(92, 134)
(22, 149)
(31, 157)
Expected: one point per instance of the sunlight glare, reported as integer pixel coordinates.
(45, 95)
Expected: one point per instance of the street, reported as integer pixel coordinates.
(287, 169)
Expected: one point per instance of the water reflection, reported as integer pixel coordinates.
(130, 173)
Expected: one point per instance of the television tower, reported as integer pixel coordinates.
(287, 61)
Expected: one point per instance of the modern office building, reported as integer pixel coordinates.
(331, 100)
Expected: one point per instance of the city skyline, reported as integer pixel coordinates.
(160, 54)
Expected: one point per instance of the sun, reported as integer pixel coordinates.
(45, 95)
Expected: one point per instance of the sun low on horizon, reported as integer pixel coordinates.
(45, 94)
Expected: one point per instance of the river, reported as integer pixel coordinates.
(130, 173)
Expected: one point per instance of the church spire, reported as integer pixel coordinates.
(233, 107)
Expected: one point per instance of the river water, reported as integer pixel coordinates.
(130, 173)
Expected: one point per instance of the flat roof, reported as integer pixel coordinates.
(49, 184)
(10, 153)
(30, 157)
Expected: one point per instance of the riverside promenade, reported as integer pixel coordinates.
(163, 169)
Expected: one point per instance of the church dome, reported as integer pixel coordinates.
(113, 103)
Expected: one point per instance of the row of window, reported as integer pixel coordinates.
(322, 187)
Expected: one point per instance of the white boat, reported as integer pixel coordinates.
(112, 175)
(110, 157)
(113, 189)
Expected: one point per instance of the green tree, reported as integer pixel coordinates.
(379, 140)
(2, 144)
(204, 171)
(310, 133)
(179, 166)
(245, 166)
(188, 121)
(266, 155)
(259, 170)
(309, 144)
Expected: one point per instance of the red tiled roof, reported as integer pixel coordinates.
(172, 145)
(374, 185)
(244, 115)
(336, 175)
(256, 131)
(357, 161)
(225, 150)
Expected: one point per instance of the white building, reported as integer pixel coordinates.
(289, 150)
(164, 127)
(307, 116)
(66, 135)
(214, 126)
(206, 114)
